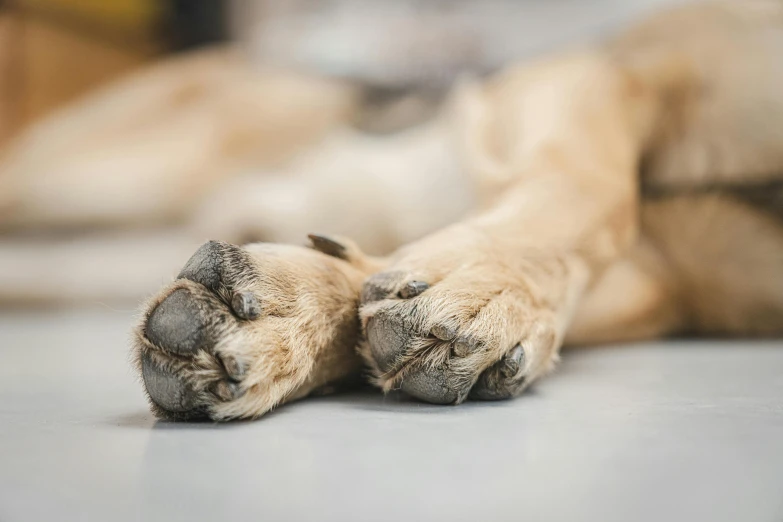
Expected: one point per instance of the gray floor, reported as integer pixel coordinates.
(677, 431)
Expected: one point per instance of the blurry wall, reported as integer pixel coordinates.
(53, 51)
(399, 43)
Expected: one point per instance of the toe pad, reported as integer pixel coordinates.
(175, 325)
(166, 390)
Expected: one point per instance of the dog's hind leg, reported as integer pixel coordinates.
(149, 147)
(709, 263)
(636, 298)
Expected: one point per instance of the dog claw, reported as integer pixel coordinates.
(246, 306)
(413, 288)
(513, 362)
(444, 332)
(233, 366)
(464, 347)
(226, 391)
(328, 246)
(503, 379)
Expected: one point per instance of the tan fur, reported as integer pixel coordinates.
(182, 126)
(557, 147)
(597, 221)
(294, 349)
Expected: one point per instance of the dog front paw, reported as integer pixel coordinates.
(244, 329)
(483, 329)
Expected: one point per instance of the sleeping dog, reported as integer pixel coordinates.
(628, 191)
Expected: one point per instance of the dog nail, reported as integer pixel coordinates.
(234, 367)
(513, 362)
(413, 288)
(443, 332)
(328, 246)
(245, 305)
(464, 347)
(227, 391)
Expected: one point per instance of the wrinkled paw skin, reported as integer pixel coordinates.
(468, 332)
(243, 329)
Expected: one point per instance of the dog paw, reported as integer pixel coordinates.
(444, 328)
(243, 329)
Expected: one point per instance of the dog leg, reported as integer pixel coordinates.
(709, 263)
(637, 297)
(147, 149)
(482, 307)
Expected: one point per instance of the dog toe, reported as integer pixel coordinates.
(503, 379)
(246, 306)
(168, 391)
(388, 339)
(430, 385)
(176, 325)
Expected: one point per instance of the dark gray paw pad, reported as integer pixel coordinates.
(388, 339)
(246, 306)
(168, 391)
(176, 325)
(204, 266)
(431, 385)
(502, 380)
(216, 265)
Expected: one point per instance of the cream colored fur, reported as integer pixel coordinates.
(559, 247)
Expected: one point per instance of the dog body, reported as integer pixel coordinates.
(626, 192)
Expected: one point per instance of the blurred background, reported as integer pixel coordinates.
(133, 130)
(53, 51)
